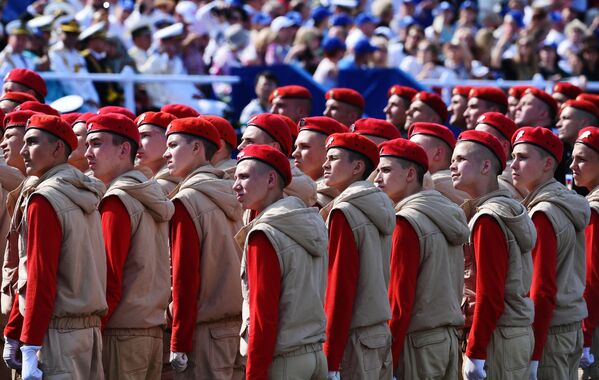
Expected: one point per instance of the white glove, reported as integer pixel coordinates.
(9, 354)
(587, 358)
(333, 375)
(30, 370)
(178, 361)
(474, 369)
(534, 366)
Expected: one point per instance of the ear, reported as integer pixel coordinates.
(60, 148)
(486, 167)
(358, 168)
(271, 179)
(439, 152)
(411, 175)
(276, 145)
(125, 150)
(549, 164)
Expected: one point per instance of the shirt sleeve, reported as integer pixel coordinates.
(343, 273)
(543, 289)
(491, 256)
(116, 227)
(405, 263)
(44, 240)
(264, 279)
(591, 291)
(185, 253)
(14, 325)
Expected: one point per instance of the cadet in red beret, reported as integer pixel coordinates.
(457, 106)
(536, 107)
(360, 221)
(560, 217)
(137, 255)
(503, 129)
(293, 101)
(27, 81)
(228, 139)
(344, 105)
(375, 130)
(77, 157)
(515, 93)
(564, 91)
(284, 251)
(205, 256)
(585, 166)
(482, 100)
(152, 131)
(501, 236)
(38, 107)
(116, 109)
(427, 264)
(273, 130)
(593, 98)
(10, 100)
(64, 252)
(426, 107)
(12, 142)
(398, 102)
(180, 110)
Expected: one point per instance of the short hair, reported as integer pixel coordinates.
(544, 154)
(118, 140)
(268, 75)
(368, 166)
(420, 171)
(53, 139)
(210, 148)
(501, 108)
(264, 167)
(486, 154)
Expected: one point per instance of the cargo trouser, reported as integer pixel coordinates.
(367, 354)
(561, 354)
(72, 349)
(215, 354)
(592, 372)
(305, 363)
(430, 354)
(132, 354)
(509, 352)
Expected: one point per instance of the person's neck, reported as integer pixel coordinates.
(483, 187)
(271, 197)
(220, 156)
(155, 166)
(544, 178)
(80, 164)
(119, 171)
(410, 190)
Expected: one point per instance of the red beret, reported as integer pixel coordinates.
(488, 141)
(517, 91)
(322, 124)
(55, 126)
(402, 91)
(461, 90)
(180, 110)
(405, 149)
(490, 94)
(18, 97)
(375, 127)
(293, 91)
(116, 109)
(196, 126)
(116, 123)
(84, 117)
(292, 126)
(276, 127)
(225, 129)
(346, 95)
(2, 115)
(499, 121)
(356, 143)
(18, 118)
(28, 78)
(433, 129)
(434, 101)
(159, 119)
(542, 138)
(582, 105)
(569, 90)
(589, 136)
(545, 97)
(38, 107)
(270, 156)
(70, 118)
(593, 98)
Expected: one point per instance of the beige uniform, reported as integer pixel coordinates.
(226, 164)
(166, 181)
(569, 213)
(442, 183)
(132, 339)
(298, 235)
(430, 348)
(324, 193)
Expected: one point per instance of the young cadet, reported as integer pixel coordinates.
(293, 101)
(501, 340)
(560, 217)
(398, 102)
(585, 167)
(77, 157)
(564, 91)
(482, 100)
(426, 107)
(536, 107)
(26, 81)
(457, 106)
(206, 306)
(135, 215)
(310, 152)
(360, 221)
(11, 100)
(427, 266)
(152, 129)
(514, 94)
(62, 265)
(228, 142)
(283, 272)
(344, 105)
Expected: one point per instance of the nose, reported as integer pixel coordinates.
(326, 164)
(242, 145)
(296, 153)
(236, 185)
(327, 112)
(514, 164)
(167, 154)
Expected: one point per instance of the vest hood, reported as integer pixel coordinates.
(326, 190)
(10, 177)
(593, 196)
(447, 216)
(148, 192)
(301, 186)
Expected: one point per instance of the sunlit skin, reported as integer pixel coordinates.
(530, 168)
(8, 105)
(17, 87)
(421, 112)
(11, 147)
(532, 111)
(106, 160)
(436, 151)
(395, 111)
(256, 185)
(559, 98)
(152, 148)
(340, 171)
(585, 166)
(40, 154)
(183, 157)
(344, 113)
(474, 109)
(255, 135)
(310, 153)
(512, 105)
(394, 180)
(571, 121)
(293, 108)
(77, 157)
(470, 171)
(457, 107)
